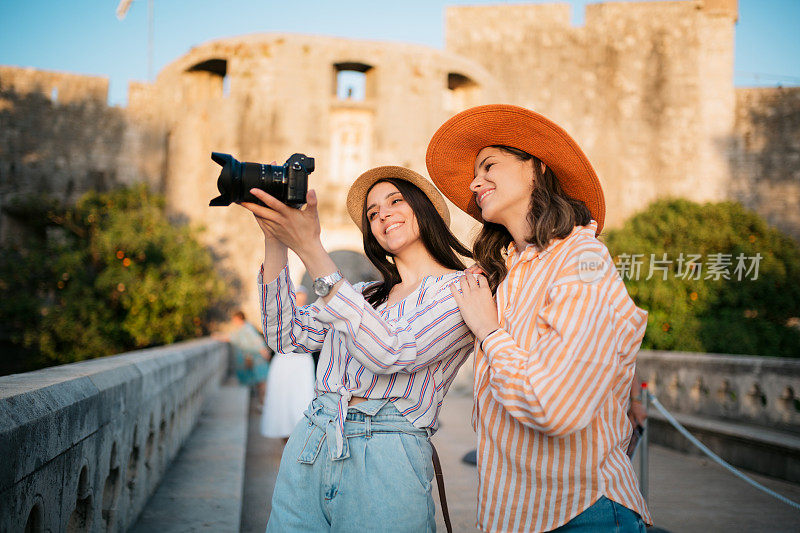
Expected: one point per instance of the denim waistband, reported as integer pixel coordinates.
(382, 414)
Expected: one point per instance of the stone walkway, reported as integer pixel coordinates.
(201, 489)
(687, 493)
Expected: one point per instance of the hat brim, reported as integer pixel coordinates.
(455, 145)
(363, 183)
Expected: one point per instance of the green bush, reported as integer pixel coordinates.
(737, 316)
(108, 275)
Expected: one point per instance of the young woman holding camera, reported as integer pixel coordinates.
(558, 347)
(361, 458)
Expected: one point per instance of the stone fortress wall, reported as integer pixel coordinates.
(765, 156)
(58, 135)
(646, 89)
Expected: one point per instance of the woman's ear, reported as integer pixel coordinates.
(531, 165)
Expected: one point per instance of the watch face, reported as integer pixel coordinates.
(321, 288)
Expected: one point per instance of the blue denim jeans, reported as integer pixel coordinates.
(605, 516)
(382, 482)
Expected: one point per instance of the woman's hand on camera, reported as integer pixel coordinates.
(262, 223)
(270, 240)
(298, 229)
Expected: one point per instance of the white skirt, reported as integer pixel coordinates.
(290, 388)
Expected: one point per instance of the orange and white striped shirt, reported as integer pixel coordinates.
(552, 388)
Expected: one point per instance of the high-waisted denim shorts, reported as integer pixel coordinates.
(382, 481)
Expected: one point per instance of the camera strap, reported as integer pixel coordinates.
(437, 469)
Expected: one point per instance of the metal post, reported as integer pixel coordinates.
(643, 455)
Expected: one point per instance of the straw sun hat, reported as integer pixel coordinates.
(455, 145)
(358, 191)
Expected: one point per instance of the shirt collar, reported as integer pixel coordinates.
(531, 251)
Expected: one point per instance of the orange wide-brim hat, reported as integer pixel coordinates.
(455, 145)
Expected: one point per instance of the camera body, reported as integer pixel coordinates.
(288, 182)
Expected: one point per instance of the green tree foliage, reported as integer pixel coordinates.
(736, 316)
(110, 274)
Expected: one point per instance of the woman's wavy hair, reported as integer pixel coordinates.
(434, 233)
(552, 215)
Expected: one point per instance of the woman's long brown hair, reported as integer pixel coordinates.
(552, 215)
(433, 232)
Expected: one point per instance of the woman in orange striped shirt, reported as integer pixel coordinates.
(557, 350)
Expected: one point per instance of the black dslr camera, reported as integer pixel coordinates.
(288, 182)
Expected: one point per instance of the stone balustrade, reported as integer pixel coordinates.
(745, 409)
(84, 445)
(762, 391)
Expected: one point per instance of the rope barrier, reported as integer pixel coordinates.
(717, 459)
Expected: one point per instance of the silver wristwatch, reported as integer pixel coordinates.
(322, 286)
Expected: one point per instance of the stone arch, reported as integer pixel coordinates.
(111, 490)
(150, 443)
(132, 469)
(206, 80)
(81, 518)
(171, 428)
(162, 431)
(462, 92)
(34, 523)
(214, 66)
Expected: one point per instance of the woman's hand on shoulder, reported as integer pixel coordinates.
(474, 269)
(298, 229)
(477, 305)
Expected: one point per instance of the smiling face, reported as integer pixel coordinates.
(502, 185)
(391, 219)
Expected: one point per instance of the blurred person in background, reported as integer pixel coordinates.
(250, 355)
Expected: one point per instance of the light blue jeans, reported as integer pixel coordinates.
(381, 483)
(605, 516)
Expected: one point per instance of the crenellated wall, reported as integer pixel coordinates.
(84, 445)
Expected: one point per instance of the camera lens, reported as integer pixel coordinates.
(288, 182)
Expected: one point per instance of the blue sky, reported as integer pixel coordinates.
(84, 36)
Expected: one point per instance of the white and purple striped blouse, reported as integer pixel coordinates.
(408, 352)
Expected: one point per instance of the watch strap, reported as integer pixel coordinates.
(332, 279)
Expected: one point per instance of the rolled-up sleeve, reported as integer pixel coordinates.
(432, 332)
(288, 328)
